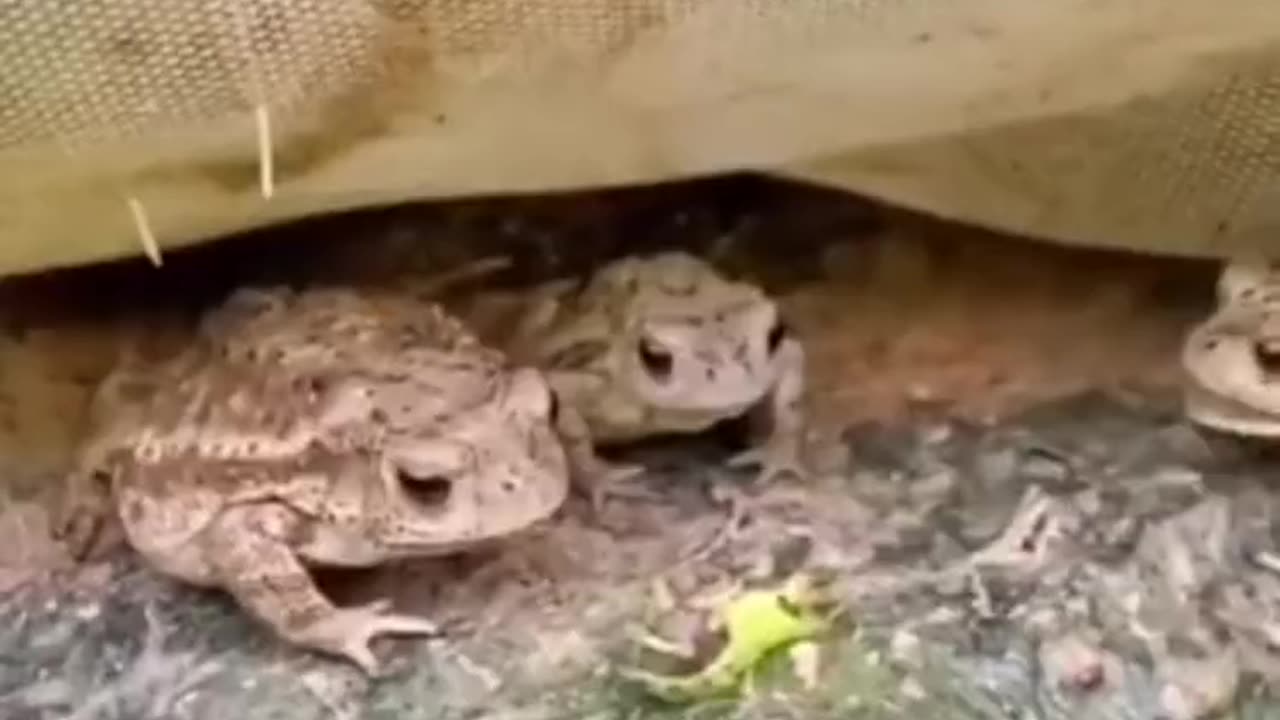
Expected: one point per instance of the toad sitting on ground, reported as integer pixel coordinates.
(324, 427)
(665, 344)
(1232, 359)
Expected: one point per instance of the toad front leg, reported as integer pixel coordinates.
(249, 550)
(783, 409)
(82, 512)
(594, 476)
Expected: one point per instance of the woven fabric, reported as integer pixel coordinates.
(128, 125)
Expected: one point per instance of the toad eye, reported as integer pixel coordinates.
(429, 491)
(656, 360)
(777, 334)
(1268, 356)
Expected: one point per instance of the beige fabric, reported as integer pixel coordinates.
(1151, 124)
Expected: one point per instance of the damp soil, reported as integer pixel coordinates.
(1018, 518)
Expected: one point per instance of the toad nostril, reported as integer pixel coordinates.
(711, 373)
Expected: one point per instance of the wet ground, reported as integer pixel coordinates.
(1020, 520)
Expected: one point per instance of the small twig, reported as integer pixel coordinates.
(487, 676)
(1267, 561)
(143, 225)
(261, 111)
(981, 595)
(266, 160)
(723, 534)
(440, 282)
(151, 670)
(138, 212)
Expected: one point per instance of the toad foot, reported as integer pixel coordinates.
(613, 480)
(348, 632)
(774, 460)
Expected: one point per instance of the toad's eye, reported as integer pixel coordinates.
(777, 334)
(656, 360)
(429, 491)
(1268, 356)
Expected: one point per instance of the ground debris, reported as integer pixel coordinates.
(1019, 520)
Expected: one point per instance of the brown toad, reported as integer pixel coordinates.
(324, 427)
(1232, 359)
(665, 344)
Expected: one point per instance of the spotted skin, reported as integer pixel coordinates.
(321, 428)
(664, 344)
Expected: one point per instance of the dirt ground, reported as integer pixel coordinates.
(1019, 518)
